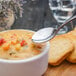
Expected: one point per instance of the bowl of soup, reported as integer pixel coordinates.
(19, 56)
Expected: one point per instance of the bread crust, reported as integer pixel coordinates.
(72, 36)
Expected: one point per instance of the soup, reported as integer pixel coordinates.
(17, 44)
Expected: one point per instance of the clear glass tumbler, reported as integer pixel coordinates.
(62, 10)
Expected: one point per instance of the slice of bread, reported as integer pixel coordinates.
(72, 36)
(60, 48)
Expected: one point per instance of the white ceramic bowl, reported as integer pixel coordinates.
(34, 66)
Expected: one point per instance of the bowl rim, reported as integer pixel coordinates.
(45, 50)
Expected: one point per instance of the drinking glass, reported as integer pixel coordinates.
(62, 10)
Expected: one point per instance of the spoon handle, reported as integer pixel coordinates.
(69, 20)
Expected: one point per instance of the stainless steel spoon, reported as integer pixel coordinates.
(45, 34)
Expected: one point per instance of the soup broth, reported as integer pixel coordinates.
(17, 44)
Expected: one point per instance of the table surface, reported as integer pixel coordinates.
(65, 69)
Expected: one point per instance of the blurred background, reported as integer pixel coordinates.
(37, 14)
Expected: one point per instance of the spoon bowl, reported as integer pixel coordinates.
(43, 35)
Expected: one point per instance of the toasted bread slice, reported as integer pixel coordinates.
(60, 48)
(72, 36)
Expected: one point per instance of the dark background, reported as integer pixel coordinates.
(37, 14)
